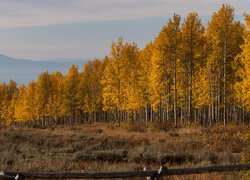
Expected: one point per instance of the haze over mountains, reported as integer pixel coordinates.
(23, 70)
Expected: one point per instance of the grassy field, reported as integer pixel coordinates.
(106, 147)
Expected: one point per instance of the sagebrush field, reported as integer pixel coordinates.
(106, 147)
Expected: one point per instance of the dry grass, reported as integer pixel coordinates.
(106, 147)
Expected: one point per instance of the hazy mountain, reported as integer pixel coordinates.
(24, 70)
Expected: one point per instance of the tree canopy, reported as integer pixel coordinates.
(190, 73)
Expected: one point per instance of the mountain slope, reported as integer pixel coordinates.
(23, 70)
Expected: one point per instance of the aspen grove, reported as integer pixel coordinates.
(189, 74)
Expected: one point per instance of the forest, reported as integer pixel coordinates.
(189, 74)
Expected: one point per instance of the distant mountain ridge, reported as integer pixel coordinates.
(24, 70)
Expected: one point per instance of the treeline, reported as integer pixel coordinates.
(189, 74)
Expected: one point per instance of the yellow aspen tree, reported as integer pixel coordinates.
(90, 89)
(113, 95)
(42, 94)
(121, 80)
(145, 68)
(193, 41)
(131, 77)
(20, 111)
(30, 103)
(243, 86)
(2, 93)
(70, 91)
(56, 97)
(165, 59)
(224, 37)
(6, 108)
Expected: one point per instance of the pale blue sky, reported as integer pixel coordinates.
(47, 29)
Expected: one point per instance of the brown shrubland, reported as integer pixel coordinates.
(106, 147)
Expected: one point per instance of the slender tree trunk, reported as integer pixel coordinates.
(175, 90)
(190, 79)
(224, 82)
(218, 97)
(42, 121)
